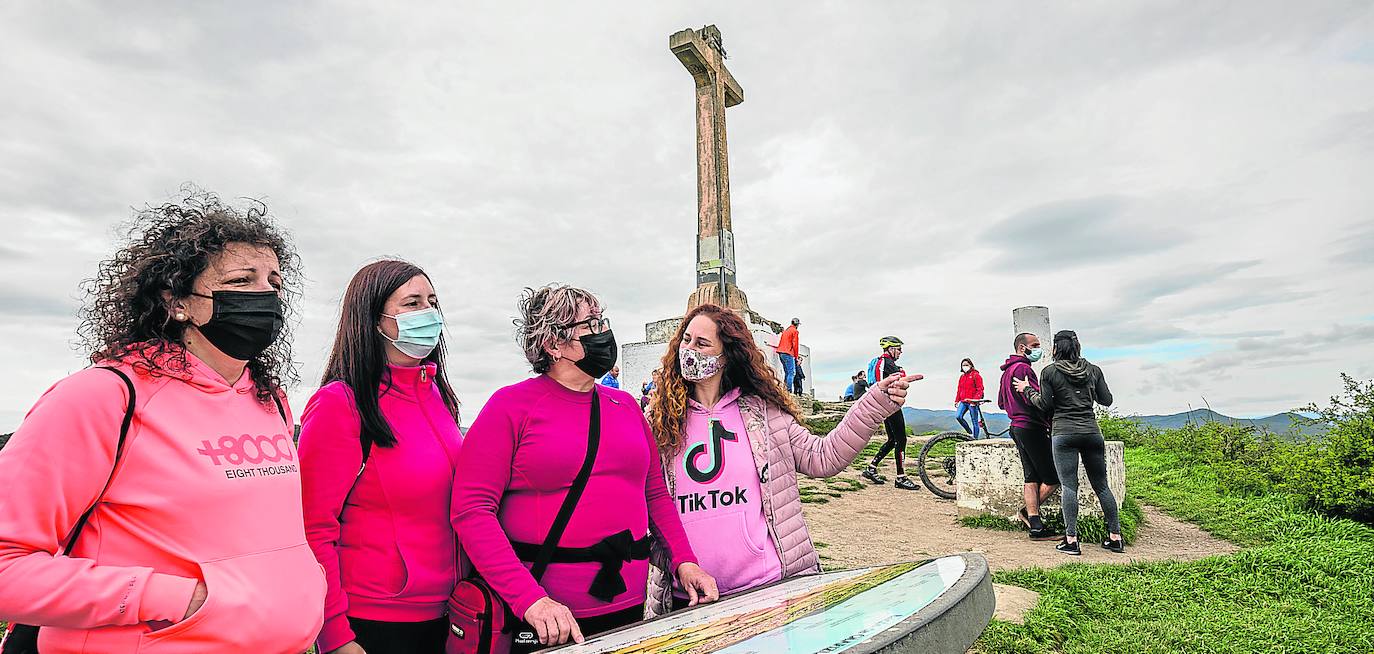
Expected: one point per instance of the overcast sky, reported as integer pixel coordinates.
(1186, 184)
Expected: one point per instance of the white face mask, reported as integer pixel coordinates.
(966, 368)
(697, 366)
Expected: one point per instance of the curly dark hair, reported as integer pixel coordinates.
(125, 316)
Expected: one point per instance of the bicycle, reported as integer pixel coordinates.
(936, 461)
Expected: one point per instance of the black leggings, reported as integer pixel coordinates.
(895, 425)
(1067, 449)
(378, 637)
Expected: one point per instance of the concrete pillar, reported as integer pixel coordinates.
(1035, 320)
(990, 480)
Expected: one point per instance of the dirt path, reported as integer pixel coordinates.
(882, 524)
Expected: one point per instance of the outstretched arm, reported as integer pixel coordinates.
(827, 456)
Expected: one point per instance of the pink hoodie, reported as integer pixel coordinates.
(207, 489)
(521, 455)
(392, 555)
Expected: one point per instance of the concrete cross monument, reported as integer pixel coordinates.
(702, 53)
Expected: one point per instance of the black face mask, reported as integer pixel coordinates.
(244, 323)
(599, 353)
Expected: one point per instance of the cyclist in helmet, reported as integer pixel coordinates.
(883, 365)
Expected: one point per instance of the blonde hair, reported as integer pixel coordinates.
(544, 316)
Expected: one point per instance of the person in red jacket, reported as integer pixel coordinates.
(970, 389)
(379, 443)
(789, 351)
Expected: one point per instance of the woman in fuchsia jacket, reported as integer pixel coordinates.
(195, 542)
(383, 536)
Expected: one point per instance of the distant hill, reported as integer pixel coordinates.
(926, 420)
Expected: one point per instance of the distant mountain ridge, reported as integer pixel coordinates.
(926, 420)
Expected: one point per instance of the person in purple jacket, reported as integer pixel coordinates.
(522, 455)
(1030, 431)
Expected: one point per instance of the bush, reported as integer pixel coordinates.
(822, 426)
(1332, 472)
(1335, 472)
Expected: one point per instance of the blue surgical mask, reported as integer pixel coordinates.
(417, 332)
(1034, 354)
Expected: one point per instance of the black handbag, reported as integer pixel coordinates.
(474, 624)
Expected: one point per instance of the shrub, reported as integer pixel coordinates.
(822, 426)
(1335, 472)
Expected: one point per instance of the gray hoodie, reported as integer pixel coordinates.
(1069, 389)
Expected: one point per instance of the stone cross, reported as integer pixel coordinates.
(703, 54)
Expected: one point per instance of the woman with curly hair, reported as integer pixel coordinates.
(155, 505)
(732, 443)
(377, 517)
(520, 459)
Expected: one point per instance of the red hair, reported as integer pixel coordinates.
(745, 369)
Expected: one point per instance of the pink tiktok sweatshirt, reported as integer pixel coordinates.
(720, 498)
(518, 461)
(389, 552)
(208, 488)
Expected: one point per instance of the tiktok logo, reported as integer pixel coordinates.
(716, 447)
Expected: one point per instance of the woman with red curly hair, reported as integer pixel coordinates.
(732, 443)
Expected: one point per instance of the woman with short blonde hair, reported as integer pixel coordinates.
(521, 458)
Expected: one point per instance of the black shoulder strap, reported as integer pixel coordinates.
(281, 411)
(119, 451)
(560, 523)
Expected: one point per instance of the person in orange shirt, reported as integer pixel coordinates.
(789, 350)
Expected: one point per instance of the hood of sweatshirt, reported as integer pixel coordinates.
(177, 362)
(726, 401)
(1075, 371)
(1013, 360)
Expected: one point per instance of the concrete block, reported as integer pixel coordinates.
(990, 480)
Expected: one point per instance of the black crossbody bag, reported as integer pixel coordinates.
(479, 620)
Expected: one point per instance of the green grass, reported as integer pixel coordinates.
(1304, 583)
(1091, 529)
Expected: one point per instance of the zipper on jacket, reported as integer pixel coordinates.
(423, 373)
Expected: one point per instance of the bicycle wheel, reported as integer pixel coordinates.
(936, 462)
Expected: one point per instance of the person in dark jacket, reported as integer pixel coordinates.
(858, 385)
(1070, 387)
(1030, 431)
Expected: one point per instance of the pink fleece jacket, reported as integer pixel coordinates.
(207, 489)
(521, 456)
(388, 551)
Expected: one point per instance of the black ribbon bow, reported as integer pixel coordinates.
(612, 553)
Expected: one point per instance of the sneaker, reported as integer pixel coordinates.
(1045, 533)
(870, 473)
(1114, 545)
(905, 484)
(1068, 548)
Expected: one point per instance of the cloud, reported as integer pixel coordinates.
(1070, 233)
(1159, 174)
